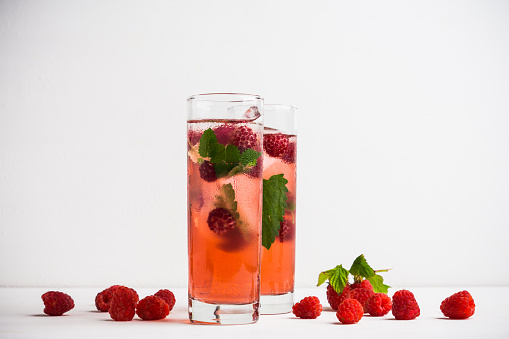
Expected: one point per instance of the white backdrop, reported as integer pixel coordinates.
(403, 133)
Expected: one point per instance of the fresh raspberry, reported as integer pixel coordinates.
(460, 305)
(350, 311)
(308, 308)
(378, 305)
(404, 305)
(244, 138)
(290, 154)
(335, 299)
(103, 299)
(123, 304)
(362, 295)
(275, 145)
(167, 296)
(362, 284)
(152, 308)
(57, 303)
(221, 220)
(208, 172)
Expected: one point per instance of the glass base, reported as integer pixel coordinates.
(276, 304)
(200, 312)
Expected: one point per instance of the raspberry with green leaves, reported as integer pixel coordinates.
(334, 298)
(363, 276)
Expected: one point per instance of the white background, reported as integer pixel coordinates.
(403, 133)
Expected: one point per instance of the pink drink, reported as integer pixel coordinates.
(224, 220)
(278, 262)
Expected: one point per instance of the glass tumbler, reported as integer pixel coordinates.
(278, 252)
(224, 196)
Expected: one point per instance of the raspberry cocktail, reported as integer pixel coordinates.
(224, 164)
(279, 210)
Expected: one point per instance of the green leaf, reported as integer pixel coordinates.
(226, 199)
(232, 154)
(223, 169)
(274, 204)
(338, 278)
(249, 157)
(217, 153)
(207, 139)
(360, 268)
(378, 284)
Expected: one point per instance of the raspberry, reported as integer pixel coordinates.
(103, 299)
(335, 299)
(404, 305)
(275, 145)
(290, 154)
(192, 138)
(378, 305)
(57, 303)
(362, 284)
(167, 296)
(221, 220)
(123, 304)
(152, 308)
(362, 295)
(244, 138)
(208, 172)
(224, 133)
(308, 308)
(350, 311)
(460, 305)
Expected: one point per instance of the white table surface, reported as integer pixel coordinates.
(21, 316)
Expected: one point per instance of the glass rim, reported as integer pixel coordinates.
(281, 106)
(203, 97)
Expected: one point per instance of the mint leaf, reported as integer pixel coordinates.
(378, 284)
(232, 154)
(249, 157)
(207, 139)
(274, 204)
(216, 153)
(360, 268)
(338, 278)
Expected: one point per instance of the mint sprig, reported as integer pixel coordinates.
(274, 205)
(360, 269)
(226, 159)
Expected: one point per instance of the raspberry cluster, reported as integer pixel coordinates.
(121, 302)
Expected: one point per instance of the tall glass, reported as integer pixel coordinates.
(278, 257)
(224, 194)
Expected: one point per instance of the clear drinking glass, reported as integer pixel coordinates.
(224, 171)
(278, 257)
